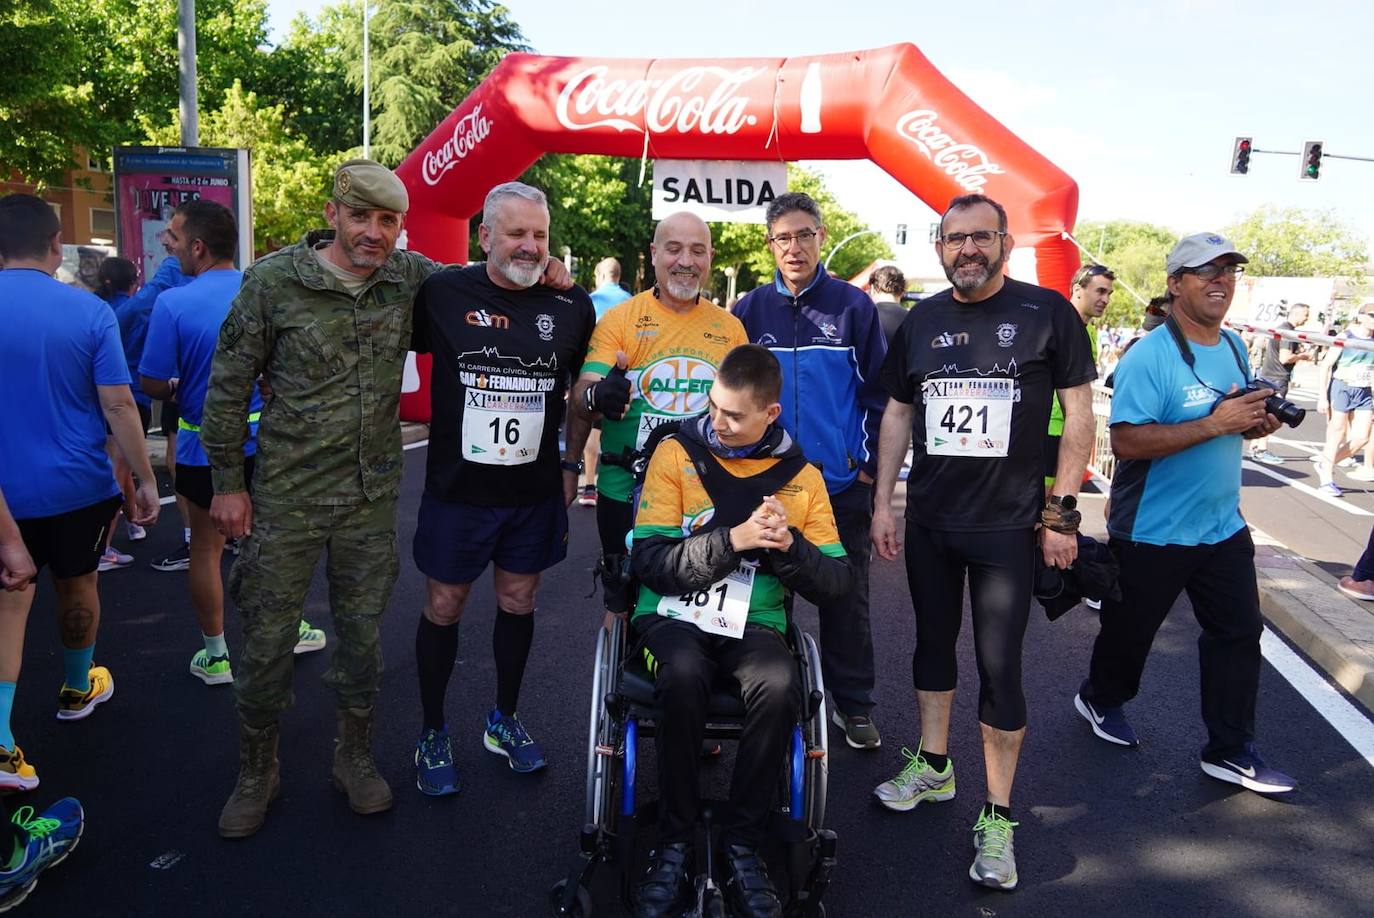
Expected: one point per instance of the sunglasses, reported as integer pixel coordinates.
(1088, 271)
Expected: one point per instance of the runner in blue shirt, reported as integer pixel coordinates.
(608, 293)
(176, 361)
(62, 377)
(118, 279)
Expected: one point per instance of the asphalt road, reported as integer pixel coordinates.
(1103, 830)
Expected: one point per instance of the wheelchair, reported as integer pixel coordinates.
(623, 712)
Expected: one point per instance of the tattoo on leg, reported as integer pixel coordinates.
(75, 625)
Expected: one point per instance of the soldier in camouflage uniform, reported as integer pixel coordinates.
(327, 323)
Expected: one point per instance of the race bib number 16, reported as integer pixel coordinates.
(502, 428)
(968, 416)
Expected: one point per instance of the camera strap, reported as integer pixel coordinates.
(1186, 352)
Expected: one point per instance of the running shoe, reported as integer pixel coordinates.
(51, 837)
(1356, 589)
(1109, 724)
(587, 496)
(994, 865)
(1249, 771)
(113, 559)
(135, 532)
(435, 773)
(1363, 473)
(505, 735)
(15, 773)
(1266, 457)
(211, 670)
(1349, 462)
(916, 782)
(75, 705)
(179, 560)
(308, 638)
(1331, 489)
(859, 730)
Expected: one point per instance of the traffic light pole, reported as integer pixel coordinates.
(1363, 159)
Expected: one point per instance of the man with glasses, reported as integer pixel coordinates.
(829, 339)
(1089, 293)
(1175, 520)
(971, 375)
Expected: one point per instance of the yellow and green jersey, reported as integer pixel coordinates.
(674, 503)
(672, 363)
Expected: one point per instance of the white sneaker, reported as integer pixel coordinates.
(113, 560)
(1363, 473)
(135, 532)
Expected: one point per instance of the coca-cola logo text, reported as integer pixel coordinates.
(468, 132)
(965, 163)
(703, 100)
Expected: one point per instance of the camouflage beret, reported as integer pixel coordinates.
(364, 183)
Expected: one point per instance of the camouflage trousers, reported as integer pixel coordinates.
(269, 582)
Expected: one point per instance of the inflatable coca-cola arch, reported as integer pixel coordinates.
(889, 105)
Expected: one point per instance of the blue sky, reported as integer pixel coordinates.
(1138, 102)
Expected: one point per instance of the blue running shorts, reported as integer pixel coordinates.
(455, 542)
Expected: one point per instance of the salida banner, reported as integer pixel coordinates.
(889, 105)
(718, 192)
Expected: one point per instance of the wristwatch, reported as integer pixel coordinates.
(1068, 501)
(577, 468)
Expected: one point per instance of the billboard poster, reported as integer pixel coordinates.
(150, 182)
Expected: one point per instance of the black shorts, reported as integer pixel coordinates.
(145, 417)
(70, 542)
(171, 413)
(194, 483)
(455, 542)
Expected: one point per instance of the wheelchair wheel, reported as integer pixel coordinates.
(816, 736)
(604, 732)
(582, 904)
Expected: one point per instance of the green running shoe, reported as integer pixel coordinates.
(994, 865)
(916, 782)
(211, 670)
(308, 638)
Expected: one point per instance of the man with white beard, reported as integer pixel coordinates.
(653, 358)
(506, 350)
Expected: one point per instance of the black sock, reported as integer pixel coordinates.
(436, 648)
(937, 762)
(994, 809)
(510, 645)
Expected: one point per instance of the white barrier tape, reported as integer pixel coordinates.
(1355, 344)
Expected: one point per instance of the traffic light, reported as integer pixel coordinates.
(1240, 156)
(1311, 167)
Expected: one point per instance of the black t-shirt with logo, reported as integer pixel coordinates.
(503, 362)
(982, 378)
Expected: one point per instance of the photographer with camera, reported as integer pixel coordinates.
(1184, 400)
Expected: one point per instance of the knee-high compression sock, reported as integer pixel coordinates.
(510, 645)
(76, 666)
(436, 649)
(6, 706)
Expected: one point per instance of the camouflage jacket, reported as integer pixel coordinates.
(331, 432)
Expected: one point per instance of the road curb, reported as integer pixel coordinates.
(1341, 658)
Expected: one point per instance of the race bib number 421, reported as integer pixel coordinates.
(968, 416)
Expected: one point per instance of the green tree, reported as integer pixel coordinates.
(1291, 242)
(427, 55)
(1135, 252)
(290, 180)
(307, 74)
(744, 247)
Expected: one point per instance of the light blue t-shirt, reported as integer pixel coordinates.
(606, 296)
(1191, 497)
(182, 334)
(133, 313)
(58, 343)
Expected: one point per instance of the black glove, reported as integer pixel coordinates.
(610, 396)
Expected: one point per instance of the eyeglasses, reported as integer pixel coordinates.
(1088, 271)
(982, 238)
(785, 240)
(1210, 272)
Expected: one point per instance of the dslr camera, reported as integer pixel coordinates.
(1277, 405)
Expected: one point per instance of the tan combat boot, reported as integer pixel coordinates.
(355, 773)
(258, 783)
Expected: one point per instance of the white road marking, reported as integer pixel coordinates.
(1337, 502)
(1344, 717)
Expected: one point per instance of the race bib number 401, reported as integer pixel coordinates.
(968, 417)
(722, 608)
(502, 428)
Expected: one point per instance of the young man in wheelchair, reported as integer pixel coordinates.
(730, 516)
